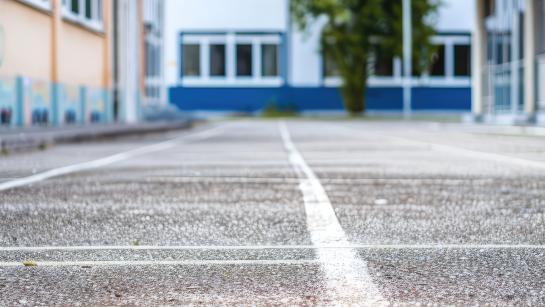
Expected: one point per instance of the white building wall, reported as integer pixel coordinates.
(456, 16)
(305, 65)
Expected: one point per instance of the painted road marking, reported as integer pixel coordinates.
(345, 273)
(267, 247)
(475, 154)
(159, 262)
(109, 160)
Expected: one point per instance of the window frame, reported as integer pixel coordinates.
(95, 22)
(449, 40)
(44, 5)
(231, 40)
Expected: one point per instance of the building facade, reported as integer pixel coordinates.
(61, 60)
(509, 61)
(138, 56)
(243, 55)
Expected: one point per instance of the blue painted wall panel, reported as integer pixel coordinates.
(314, 98)
(384, 98)
(428, 98)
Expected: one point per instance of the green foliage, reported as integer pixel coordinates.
(355, 28)
(274, 109)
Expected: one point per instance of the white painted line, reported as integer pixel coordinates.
(265, 247)
(360, 181)
(108, 160)
(345, 273)
(159, 262)
(223, 179)
(474, 154)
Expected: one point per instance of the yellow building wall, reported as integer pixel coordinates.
(80, 55)
(27, 33)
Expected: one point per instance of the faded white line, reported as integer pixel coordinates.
(361, 181)
(475, 154)
(265, 247)
(346, 275)
(108, 160)
(156, 262)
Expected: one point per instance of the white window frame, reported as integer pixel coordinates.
(39, 4)
(96, 21)
(448, 80)
(231, 79)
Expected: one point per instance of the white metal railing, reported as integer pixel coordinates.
(498, 87)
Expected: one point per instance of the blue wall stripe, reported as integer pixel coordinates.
(250, 99)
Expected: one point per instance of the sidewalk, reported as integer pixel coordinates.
(17, 139)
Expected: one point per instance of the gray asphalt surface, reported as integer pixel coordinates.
(434, 215)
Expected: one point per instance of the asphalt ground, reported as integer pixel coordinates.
(278, 213)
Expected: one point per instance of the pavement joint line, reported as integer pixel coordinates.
(344, 271)
(158, 262)
(83, 166)
(267, 247)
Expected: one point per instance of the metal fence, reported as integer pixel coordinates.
(499, 87)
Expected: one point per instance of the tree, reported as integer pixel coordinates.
(354, 29)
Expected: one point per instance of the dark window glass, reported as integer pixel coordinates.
(438, 62)
(217, 60)
(462, 60)
(541, 26)
(74, 7)
(191, 60)
(269, 60)
(489, 7)
(244, 60)
(383, 63)
(88, 8)
(521, 36)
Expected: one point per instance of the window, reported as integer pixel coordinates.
(541, 27)
(85, 12)
(382, 63)
(244, 60)
(437, 68)
(88, 9)
(462, 60)
(489, 7)
(230, 59)
(74, 6)
(217, 60)
(191, 60)
(269, 60)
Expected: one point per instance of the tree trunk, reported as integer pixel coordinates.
(353, 92)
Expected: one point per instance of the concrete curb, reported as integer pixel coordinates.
(36, 138)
